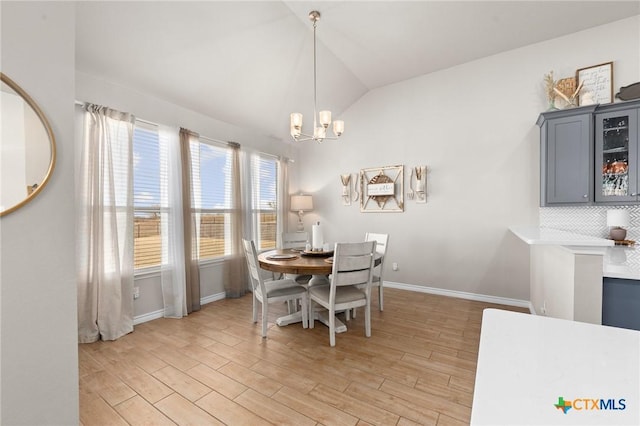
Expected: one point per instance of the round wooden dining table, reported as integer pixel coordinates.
(318, 265)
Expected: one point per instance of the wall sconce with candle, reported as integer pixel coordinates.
(346, 189)
(418, 191)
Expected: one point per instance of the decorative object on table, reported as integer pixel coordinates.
(618, 220)
(630, 92)
(283, 256)
(356, 193)
(316, 237)
(571, 99)
(625, 243)
(301, 203)
(549, 86)
(597, 80)
(346, 189)
(321, 120)
(317, 253)
(382, 189)
(421, 184)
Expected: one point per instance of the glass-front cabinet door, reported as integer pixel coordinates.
(617, 156)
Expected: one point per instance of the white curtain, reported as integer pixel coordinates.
(105, 225)
(282, 194)
(173, 274)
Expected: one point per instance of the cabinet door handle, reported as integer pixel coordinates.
(585, 196)
(634, 194)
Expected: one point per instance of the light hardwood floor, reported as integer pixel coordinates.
(212, 368)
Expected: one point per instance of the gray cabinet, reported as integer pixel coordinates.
(616, 154)
(566, 156)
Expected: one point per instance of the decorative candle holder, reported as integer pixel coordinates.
(421, 184)
(346, 189)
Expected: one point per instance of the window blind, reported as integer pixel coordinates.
(147, 175)
(211, 169)
(264, 200)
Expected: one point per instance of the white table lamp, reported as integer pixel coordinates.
(301, 203)
(618, 220)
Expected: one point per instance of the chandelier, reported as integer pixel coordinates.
(321, 120)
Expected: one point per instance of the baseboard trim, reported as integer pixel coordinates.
(460, 294)
(150, 316)
(390, 284)
(213, 298)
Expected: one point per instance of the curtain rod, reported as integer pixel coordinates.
(156, 124)
(289, 160)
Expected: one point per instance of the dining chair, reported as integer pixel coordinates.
(350, 285)
(382, 240)
(271, 291)
(296, 240)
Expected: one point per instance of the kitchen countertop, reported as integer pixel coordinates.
(538, 235)
(527, 362)
(618, 262)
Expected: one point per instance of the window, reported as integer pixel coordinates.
(146, 196)
(264, 200)
(211, 170)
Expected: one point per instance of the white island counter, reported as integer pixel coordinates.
(526, 363)
(566, 271)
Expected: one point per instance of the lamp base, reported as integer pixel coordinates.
(618, 234)
(300, 226)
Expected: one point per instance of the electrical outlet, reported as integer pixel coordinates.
(394, 266)
(136, 292)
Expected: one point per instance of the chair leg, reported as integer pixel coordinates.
(380, 297)
(255, 308)
(310, 313)
(304, 311)
(347, 314)
(332, 327)
(265, 316)
(367, 319)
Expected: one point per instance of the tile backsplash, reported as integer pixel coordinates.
(590, 220)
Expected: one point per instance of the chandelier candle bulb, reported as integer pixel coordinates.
(338, 127)
(325, 118)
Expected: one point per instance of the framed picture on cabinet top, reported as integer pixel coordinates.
(597, 84)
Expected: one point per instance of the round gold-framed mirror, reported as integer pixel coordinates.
(27, 147)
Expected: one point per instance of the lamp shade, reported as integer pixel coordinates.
(301, 203)
(618, 217)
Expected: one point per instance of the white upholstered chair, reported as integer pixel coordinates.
(271, 291)
(382, 240)
(350, 285)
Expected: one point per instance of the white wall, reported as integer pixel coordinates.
(38, 315)
(473, 126)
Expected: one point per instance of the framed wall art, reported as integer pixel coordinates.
(597, 82)
(382, 189)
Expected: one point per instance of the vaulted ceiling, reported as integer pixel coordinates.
(251, 63)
